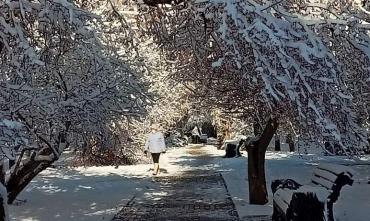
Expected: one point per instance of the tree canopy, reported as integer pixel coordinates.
(282, 58)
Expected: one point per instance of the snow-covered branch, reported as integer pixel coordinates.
(283, 61)
(67, 76)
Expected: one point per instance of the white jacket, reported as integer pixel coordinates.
(155, 143)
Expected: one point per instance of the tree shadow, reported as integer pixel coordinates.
(73, 194)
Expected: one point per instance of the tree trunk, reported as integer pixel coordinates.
(290, 142)
(277, 143)
(2, 171)
(4, 216)
(256, 164)
(23, 177)
(256, 177)
(31, 167)
(209, 129)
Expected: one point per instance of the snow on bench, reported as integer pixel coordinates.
(283, 198)
(235, 141)
(336, 169)
(326, 184)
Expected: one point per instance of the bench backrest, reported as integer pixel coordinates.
(332, 177)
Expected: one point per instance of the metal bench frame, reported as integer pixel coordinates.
(329, 176)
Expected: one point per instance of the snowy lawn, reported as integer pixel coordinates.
(353, 204)
(86, 194)
(96, 193)
(76, 194)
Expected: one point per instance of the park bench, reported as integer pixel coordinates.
(295, 202)
(232, 150)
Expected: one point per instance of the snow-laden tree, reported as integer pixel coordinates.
(63, 83)
(10, 140)
(116, 32)
(281, 59)
(169, 103)
(349, 43)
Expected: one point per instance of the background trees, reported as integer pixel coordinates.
(89, 74)
(63, 82)
(287, 60)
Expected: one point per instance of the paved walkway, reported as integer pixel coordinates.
(196, 193)
(199, 194)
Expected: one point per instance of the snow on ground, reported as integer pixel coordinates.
(96, 193)
(76, 194)
(353, 204)
(86, 194)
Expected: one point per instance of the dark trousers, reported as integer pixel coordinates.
(155, 157)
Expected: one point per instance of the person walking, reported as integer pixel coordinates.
(155, 145)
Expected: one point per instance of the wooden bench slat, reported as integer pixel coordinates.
(321, 192)
(280, 201)
(325, 174)
(327, 182)
(336, 169)
(320, 181)
(281, 204)
(286, 195)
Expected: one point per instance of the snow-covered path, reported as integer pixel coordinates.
(98, 193)
(196, 194)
